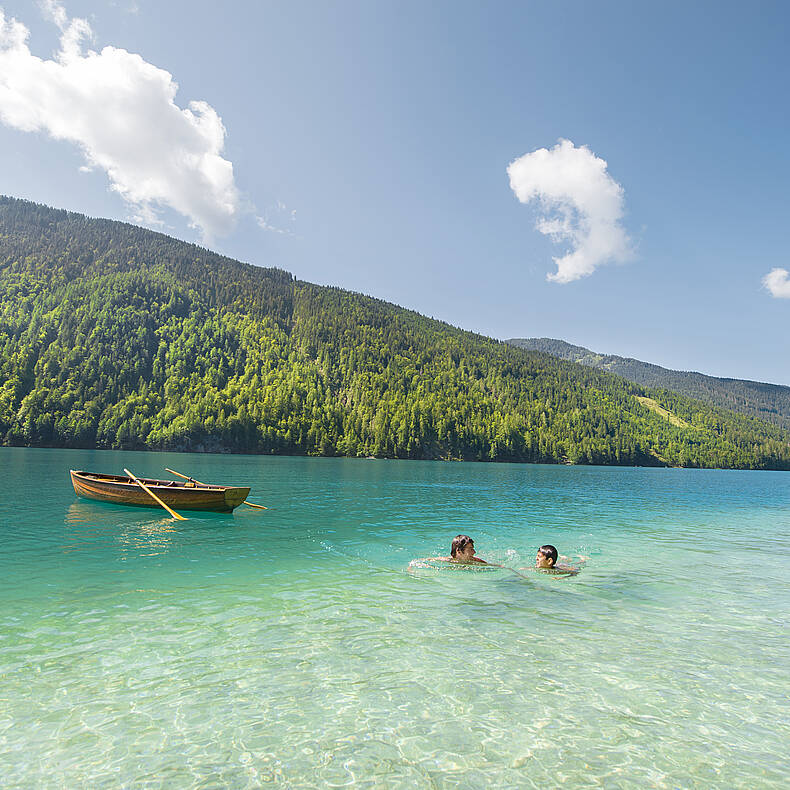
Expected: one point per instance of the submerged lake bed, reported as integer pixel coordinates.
(293, 646)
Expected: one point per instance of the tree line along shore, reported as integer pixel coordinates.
(113, 336)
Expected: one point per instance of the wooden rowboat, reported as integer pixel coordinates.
(180, 495)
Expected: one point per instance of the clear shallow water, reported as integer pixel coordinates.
(292, 645)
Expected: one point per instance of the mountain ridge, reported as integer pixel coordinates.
(115, 336)
(769, 402)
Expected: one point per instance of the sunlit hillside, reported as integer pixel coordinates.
(115, 336)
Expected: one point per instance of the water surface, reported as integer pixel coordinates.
(293, 646)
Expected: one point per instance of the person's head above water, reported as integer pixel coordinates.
(547, 557)
(462, 548)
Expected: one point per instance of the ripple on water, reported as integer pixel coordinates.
(295, 648)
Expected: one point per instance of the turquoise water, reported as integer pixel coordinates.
(292, 646)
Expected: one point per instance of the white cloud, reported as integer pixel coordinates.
(121, 112)
(581, 204)
(777, 281)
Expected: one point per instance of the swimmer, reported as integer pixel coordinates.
(462, 552)
(546, 561)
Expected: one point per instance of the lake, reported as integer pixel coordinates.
(293, 646)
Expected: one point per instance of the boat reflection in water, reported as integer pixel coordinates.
(90, 526)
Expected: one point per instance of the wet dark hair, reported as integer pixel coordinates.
(549, 552)
(460, 542)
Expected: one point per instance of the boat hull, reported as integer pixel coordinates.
(122, 490)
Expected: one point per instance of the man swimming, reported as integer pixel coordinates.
(546, 557)
(462, 552)
(546, 560)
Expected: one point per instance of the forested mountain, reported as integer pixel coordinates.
(770, 402)
(116, 336)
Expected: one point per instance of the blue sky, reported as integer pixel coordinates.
(370, 144)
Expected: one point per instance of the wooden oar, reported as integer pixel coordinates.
(173, 472)
(245, 502)
(154, 496)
